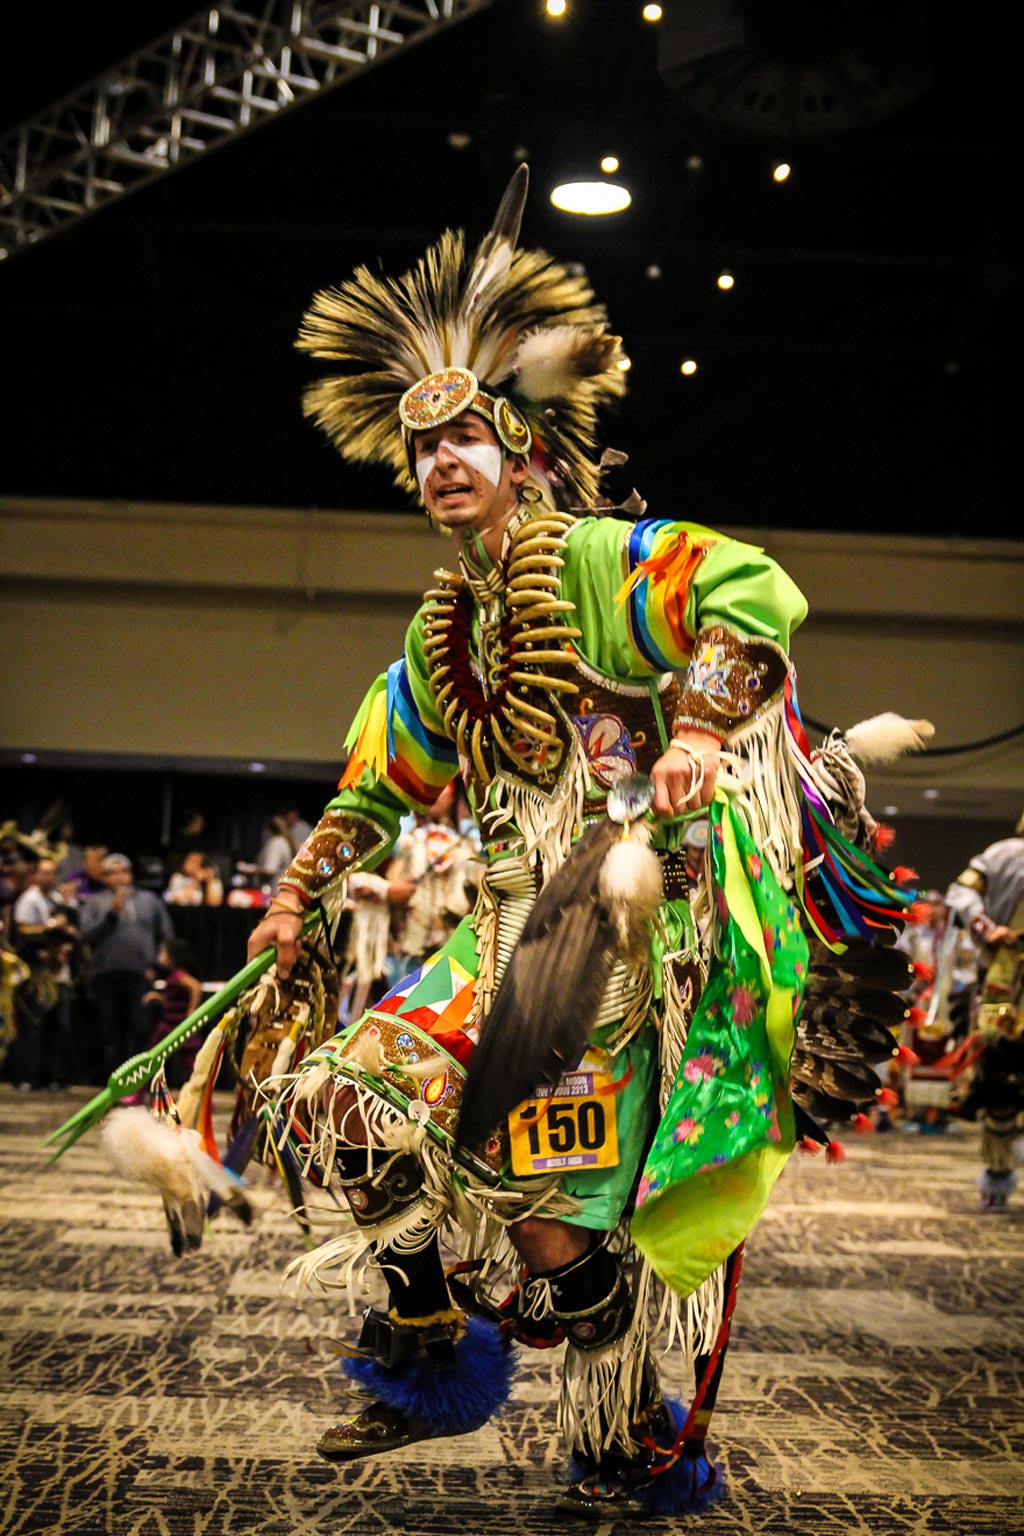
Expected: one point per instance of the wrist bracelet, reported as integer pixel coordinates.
(279, 906)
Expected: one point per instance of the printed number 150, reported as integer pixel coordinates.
(568, 1126)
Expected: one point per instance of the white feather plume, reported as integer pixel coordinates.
(883, 738)
(172, 1160)
(630, 882)
(550, 362)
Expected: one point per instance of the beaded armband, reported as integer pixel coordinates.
(340, 842)
(730, 681)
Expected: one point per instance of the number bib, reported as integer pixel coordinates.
(569, 1126)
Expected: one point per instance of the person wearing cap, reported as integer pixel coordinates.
(571, 646)
(123, 928)
(987, 899)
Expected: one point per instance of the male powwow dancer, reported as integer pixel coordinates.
(567, 656)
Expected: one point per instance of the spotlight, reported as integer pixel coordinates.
(609, 164)
(726, 281)
(688, 366)
(781, 171)
(652, 13)
(556, 7)
(591, 197)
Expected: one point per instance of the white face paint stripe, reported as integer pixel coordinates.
(485, 458)
(423, 468)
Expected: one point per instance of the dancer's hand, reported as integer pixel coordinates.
(684, 775)
(280, 928)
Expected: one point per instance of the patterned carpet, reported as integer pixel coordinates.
(873, 1388)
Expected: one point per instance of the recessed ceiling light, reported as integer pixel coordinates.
(591, 197)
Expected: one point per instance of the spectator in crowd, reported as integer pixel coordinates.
(43, 934)
(18, 858)
(41, 905)
(364, 966)
(296, 826)
(430, 879)
(41, 1050)
(124, 928)
(13, 971)
(88, 878)
(192, 833)
(71, 853)
(274, 857)
(988, 900)
(167, 1005)
(196, 884)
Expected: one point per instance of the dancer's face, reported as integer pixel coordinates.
(467, 482)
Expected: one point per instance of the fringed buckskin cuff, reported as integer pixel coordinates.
(730, 681)
(341, 842)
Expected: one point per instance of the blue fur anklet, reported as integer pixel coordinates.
(450, 1402)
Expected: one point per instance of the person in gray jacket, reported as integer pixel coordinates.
(988, 899)
(123, 928)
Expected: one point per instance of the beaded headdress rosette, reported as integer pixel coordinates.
(512, 335)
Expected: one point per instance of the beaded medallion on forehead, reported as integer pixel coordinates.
(437, 399)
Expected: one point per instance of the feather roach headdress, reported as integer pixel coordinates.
(513, 335)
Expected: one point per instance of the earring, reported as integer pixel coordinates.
(530, 493)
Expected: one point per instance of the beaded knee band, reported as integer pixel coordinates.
(379, 1197)
(592, 1300)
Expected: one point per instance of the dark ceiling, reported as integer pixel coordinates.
(858, 376)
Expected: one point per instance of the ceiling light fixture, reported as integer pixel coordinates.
(726, 280)
(556, 7)
(781, 171)
(652, 13)
(591, 197)
(688, 366)
(610, 164)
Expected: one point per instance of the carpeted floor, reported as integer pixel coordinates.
(874, 1384)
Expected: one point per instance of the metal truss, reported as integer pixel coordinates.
(222, 73)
